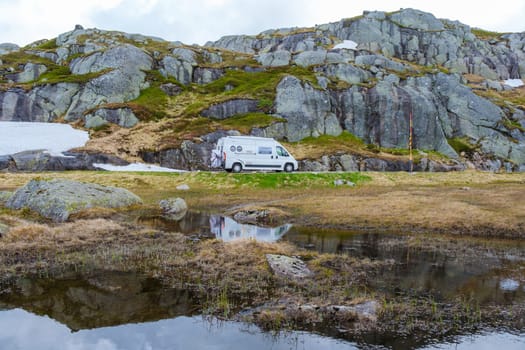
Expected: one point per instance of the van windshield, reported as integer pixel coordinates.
(281, 152)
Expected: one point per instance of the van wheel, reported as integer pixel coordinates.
(288, 167)
(236, 168)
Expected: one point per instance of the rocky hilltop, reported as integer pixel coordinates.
(341, 94)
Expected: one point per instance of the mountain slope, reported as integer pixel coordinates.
(341, 93)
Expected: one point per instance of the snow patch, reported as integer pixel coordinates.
(27, 136)
(136, 167)
(513, 82)
(347, 44)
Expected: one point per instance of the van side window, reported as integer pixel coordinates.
(281, 152)
(264, 150)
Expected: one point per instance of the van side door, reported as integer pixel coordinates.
(267, 157)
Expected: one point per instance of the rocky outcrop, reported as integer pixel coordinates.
(31, 72)
(41, 104)
(123, 117)
(389, 66)
(307, 110)
(58, 199)
(351, 162)
(204, 75)
(230, 108)
(31, 161)
(408, 34)
(6, 48)
(126, 64)
(275, 59)
(190, 155)
(173, 208)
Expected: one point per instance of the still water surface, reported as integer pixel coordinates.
(20, 329)
(115, 310)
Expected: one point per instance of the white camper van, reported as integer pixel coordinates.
(237, 153)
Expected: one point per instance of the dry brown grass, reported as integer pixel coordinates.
(73, 233)
(467, 201)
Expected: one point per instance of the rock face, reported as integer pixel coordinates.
(42, 161)
(58, 199)
(120, 116)
(307, 110)
(400, 64)
(230, 108)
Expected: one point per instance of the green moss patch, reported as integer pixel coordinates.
(278, 180)
(485, 34)
(462, 144)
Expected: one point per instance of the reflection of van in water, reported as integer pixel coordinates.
(227, 229)
(237, 153)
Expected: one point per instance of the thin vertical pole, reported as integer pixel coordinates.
(410, 140)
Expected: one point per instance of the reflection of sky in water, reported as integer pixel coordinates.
(22, 330)
(227, 229)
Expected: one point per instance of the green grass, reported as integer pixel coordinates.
(278, 180)
(152, 102)
(48, 45)
(485, 34)
(54, 74)
(462, 144)
(246, 122)
(61, 74)
(259, 85)
(512, 124)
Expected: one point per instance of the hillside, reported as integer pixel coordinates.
(340, 94)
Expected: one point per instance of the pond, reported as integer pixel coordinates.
(478, 272)
(115, 310)
(122, 310)
(186, 332)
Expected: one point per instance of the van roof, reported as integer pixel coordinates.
(254, 138)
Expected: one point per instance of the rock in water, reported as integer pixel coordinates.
(173, 208)
(57, 199)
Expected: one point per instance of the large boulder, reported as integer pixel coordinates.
(38, 160)
(173, 208)
(57, 199)
(275, 59)
(419, 37)
(204, 75)
(121, 116)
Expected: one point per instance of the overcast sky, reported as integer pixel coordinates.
(198, 21)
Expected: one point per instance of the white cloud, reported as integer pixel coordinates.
(25, 21)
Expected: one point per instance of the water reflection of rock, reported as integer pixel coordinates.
(217, 226)
(227, 229)
(99, 300)
(441, 273)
